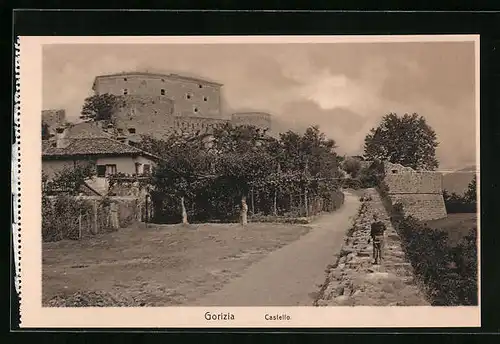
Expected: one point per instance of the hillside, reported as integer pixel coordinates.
(459, 180)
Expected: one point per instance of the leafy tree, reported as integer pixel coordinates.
(456, 203)
(471, 194)
(309, 163)
(101, 107)
(352, 166)
(69, 180)
(406, 140)
(184, 168)
(242, 159)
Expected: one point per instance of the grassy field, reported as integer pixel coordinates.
(162, 265)
(456, 225)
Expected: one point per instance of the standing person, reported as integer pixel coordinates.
(377, 236)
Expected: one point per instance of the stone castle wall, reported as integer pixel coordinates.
(420, 192)
(54, 117)
(424, 207)
(259, 119)
(145, 115)
(353, 280)
(154, 115)
(191, 97)
(160, 104)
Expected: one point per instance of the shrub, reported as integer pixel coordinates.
(449, 273)
(352, 166)
(459, 204)
(55, 226)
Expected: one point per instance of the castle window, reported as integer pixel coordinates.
(195, 109)
(200, 86)
(125, 91)
(124, 79)
(162, 92)
(131, 130)
(188, 96)
(205, 99)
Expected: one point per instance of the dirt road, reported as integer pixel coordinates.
(291, 275)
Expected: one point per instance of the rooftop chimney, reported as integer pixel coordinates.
(61, 140)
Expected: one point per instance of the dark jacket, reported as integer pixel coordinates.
(377, 229)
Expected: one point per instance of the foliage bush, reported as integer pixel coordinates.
(449, 273)
(461, 203)
(60, 217)
(276, 176)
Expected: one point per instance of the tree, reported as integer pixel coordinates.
(101, 107)
(70, 179)
(470, 195)
(352, 166)
(242, 159)
(184, 168)
(406, 140)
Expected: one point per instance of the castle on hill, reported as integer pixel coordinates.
(157, 105)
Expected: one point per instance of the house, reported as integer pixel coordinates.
(109, 156)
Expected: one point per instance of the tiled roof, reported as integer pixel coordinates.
(93, 146)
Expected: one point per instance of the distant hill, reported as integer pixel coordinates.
(459, 180)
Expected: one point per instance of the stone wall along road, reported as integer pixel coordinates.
(353, 280)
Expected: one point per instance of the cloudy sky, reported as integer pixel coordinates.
(344, 88)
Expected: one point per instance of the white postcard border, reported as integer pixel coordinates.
(34, 315)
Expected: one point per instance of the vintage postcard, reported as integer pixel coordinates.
(229, 181)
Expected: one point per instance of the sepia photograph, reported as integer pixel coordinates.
(321, 174)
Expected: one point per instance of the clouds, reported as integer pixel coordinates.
(345, 88)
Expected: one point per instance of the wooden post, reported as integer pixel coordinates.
(184, 212)
(146, 211)
(113, 209)
(253, 206)
(244, 210)
(94, 226)
(306, 205)
(80, 226)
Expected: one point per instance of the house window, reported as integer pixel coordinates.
(125, 91)
(162, 92)
(200, 86)
(188, 96)
(131, 130)
(138, 168)
(195, 109)
(205, 99)
(101, 170)
(394, 171)
(163, 80)
(146, 169)
(110, 170)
